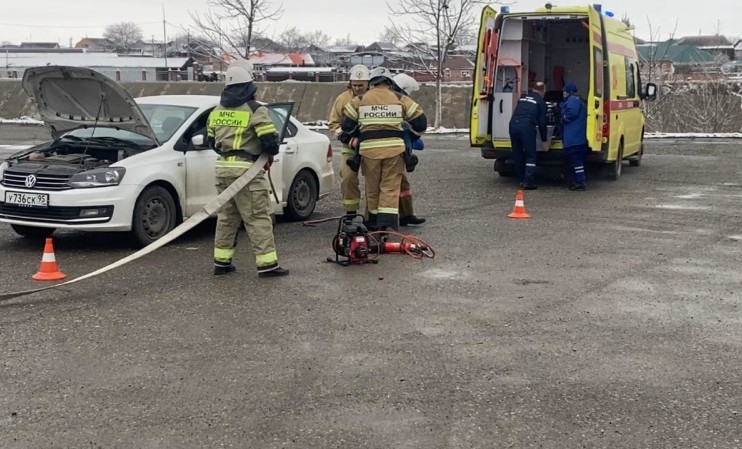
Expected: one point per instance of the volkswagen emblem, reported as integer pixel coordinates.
(30, 181)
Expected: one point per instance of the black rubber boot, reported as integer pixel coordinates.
(411, 220)
(274, 273)
(222, 269)
(371, 223)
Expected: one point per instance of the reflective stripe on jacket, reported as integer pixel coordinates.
(379, 115)
(336, 116)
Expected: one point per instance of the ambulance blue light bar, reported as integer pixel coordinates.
(505, 9)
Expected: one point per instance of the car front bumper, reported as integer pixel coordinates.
(93, 209)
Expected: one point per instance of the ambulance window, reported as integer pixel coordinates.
(598, 75)
(630, 78)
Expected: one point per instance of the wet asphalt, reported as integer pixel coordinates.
(611, 318)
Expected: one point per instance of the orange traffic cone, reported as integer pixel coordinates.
(519, 211)
(48, 271)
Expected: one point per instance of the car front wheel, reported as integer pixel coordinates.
(31, 232)
(302, 196)
(155, 214)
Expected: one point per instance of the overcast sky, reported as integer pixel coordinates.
(60, 21)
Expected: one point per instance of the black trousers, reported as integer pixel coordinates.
(523, 141)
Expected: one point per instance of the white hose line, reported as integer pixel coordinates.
(210, 208)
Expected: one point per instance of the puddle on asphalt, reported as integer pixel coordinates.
(681, 207)
(635, 229)
(691, 196)
(437, 273)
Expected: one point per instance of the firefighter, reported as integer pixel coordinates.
(529, 114)
(407, 85)
(378, 118)
(349, 187)
(240, 129)
(574, 135)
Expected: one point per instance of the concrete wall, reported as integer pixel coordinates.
(313, 100)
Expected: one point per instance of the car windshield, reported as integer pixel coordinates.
(166, 119)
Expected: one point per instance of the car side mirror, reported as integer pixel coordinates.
(199, 142)
(650, 92)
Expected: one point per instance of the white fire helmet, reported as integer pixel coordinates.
(380, 75)
(407, 83)
(360, 73)
(239, 72)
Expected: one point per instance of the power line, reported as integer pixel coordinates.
(69, 26)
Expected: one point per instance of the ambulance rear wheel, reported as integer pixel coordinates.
(504, 168)
(637, 160)
(614, 169)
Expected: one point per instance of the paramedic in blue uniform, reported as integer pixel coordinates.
(574, 125)
(529, 114)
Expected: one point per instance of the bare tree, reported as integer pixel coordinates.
(233, 24)
(123, 35)
(293, 40)
(652, 71)
(345, 41)
(318, 38)
(435, 28)
(389, 35)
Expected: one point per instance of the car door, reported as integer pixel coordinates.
(200, 185)
(284, 165)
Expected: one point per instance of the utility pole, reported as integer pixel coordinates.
(164, 37)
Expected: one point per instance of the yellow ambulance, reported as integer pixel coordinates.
(556, 45)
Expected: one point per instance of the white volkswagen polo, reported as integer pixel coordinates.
(119, 164)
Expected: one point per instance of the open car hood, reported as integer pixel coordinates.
(68, 98)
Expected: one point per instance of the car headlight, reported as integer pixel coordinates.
(99, 177)
(3, 166)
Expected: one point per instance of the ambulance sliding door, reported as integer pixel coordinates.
(484, 78)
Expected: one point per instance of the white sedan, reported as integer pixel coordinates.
(119, 164)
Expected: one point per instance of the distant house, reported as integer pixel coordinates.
(464, 50)
(340, 55)
(458, 68)
(266, 45)
(44, 45)
(96, 45)
(382, 47)
(118, 68)
(661, 61)
(717, 45)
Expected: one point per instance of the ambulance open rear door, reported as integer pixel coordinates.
(480, 130)
(596, 114)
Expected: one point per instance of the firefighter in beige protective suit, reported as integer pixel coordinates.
(349, 187)
(377, 119)
(240, 129)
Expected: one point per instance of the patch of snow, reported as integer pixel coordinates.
(317, 125)
(444, 130)
(25, 120)
(657, 135)
(14, 147)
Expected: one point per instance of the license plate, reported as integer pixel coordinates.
(27, 199)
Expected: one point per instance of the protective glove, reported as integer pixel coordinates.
(268, 164)
(355, 144)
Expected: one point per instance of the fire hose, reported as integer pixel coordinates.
(210, 208)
